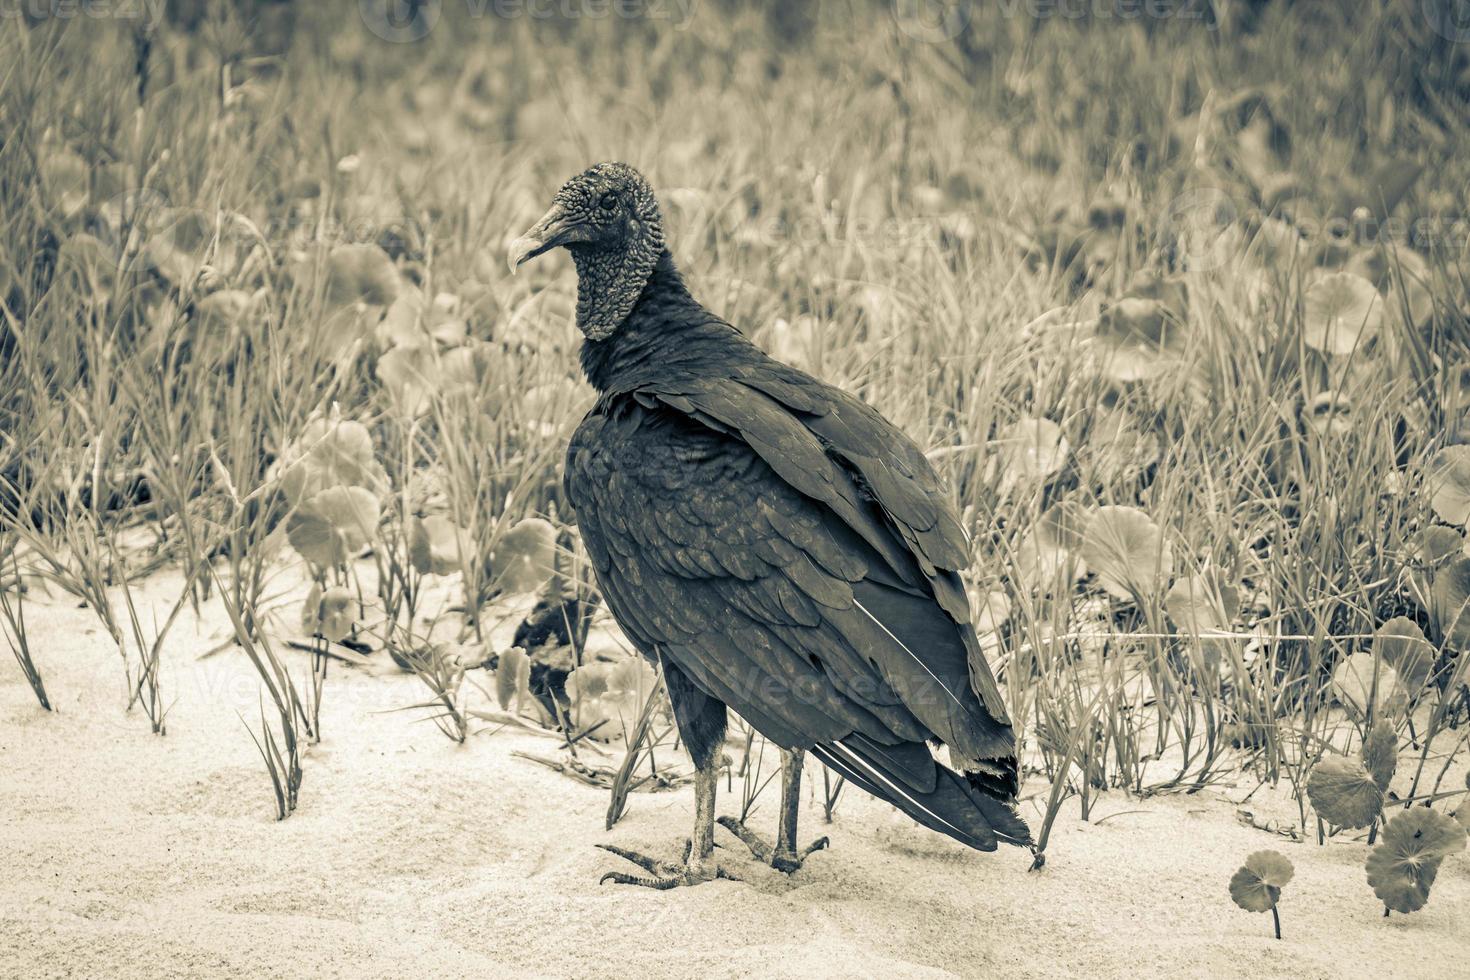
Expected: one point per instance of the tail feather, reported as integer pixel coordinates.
(971, 808)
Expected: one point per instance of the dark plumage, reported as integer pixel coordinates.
(772, 541)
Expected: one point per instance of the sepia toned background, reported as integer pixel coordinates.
(310, 673)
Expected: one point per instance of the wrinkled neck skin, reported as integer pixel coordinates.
(610, 280)
(664, 335)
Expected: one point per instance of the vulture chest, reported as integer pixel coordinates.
(665, 506)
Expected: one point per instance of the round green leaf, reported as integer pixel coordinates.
(1402, 867)
(436, 545)
(315, 539)
(1447, 481)
(336, 614)
(1045, 556)
(588, 681)
(1043, 565)
(330, 615)
(1450, 599)
(608, 696)
(1117, 449)
(361, 272)
(512, 678)
(311, 609)
(333, 524)
(522, 560)
(1381, 754)
(1438, 544)
(345, 452)
(330, 452)
(1401, 644)
(1127, 551)
(1142, 338)
(353, 511)
(1030, 450)
(1364, 684)
(461, 369)
(408, 372)
(1256, 887)
(64, 174)
(1199, 604)
(402, 323)
(1343, 792)
(1341, 312)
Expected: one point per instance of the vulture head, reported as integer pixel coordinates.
(607, 217)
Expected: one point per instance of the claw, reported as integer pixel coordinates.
(792, 863)
(618, 878)
(664, 874)
(784, 861)
(651, 865)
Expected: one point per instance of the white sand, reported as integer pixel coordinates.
(131, 855)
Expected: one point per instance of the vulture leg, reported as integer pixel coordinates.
(784, 856)
(701, 720)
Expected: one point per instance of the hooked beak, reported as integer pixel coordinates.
(555, 228)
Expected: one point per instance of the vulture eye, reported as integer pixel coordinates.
(609, 201)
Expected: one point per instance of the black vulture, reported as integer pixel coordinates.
(774, 544)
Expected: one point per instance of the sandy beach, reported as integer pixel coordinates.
(134, 855)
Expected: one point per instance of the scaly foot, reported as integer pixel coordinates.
(665, 874)
(782, 859)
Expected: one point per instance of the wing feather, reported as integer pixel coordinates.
(895, 507)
